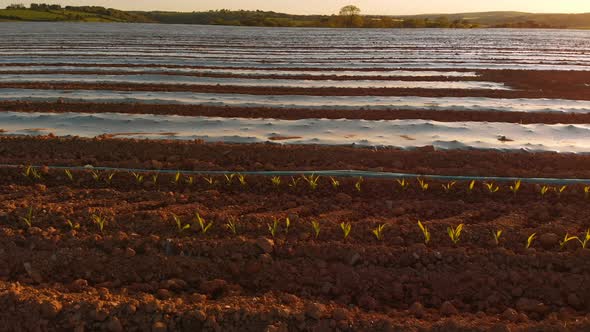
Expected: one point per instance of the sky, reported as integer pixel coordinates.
(384, 7)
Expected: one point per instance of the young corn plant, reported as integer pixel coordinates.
(335, 183)
(515, 187)
(99, 221)
(190, 180)
(530, 240)
(315, 226)
(560, 190)
(155, 178)
(358, 184)
(32, 173)
(232, 226)
(312, 181)
(273, 228)
(72, 226)
(404, 184)
(425, 232)
(276, 181)
(69, 175)
(471, 186)
(378, 231)
(95, 176)
(449, 186)
(584, 242)
(497, 234)
(492, 187)
(27, 219)
(287, 225)
(587, 192)
(242, 180)
(544, 191)
(346, 228)
(202, 224)
(138, 177)
(423, 185)
(229, 178)
(294, 181)
(177, 178)
(567, 238)
(109, 178)
(455, 233)
(210, 180)
(179, 226)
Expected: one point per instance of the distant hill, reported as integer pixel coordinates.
(499, 19)
(55, 13)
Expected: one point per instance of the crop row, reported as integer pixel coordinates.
(312, 182)
(281, 226)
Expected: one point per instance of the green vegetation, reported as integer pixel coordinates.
(346, 228)
(315, 226)
(179, 226)
(425, 232)
(28, 218)
(497, 234)
(530, 240)
(455, 233)
(378, 231)
(202, 224)
(348, 17)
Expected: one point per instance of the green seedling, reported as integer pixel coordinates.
(28, 218)
(312, 180)
(471, 186)
(232, 226)
(516, 187)
(530, 240)
(177, 178)
(179, 226)
(587, 192)
(100, 221)
(335, 183)
(423, 185)
(273, 229)
(425, 232)
(560, 190)
(229, 178)
(276, 181)
(544, 190)
(567, 238)
(315, 226)
(109, 178)
(294, 181)
(242, 179)
(210, 180)
(155, 178)
(346, 228)
(492, 187)
(204, 226)
(378, 232)
(32, 173)
(449, 186)
(287, 225)
(72, 225)
(95, 176)
(404, 184)
(138, 177)
(69, 175)
(190, 180)
(586, 239)
(455, 233)
(497, 234)
(358, 184)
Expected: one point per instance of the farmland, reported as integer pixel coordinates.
(251, 179)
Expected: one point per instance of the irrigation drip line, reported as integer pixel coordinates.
(335, 173)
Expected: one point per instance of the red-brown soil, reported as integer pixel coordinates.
(295, 114)
(141, 274)
(525, 84)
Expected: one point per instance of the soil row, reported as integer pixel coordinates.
(199, 156)
(296, 114)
